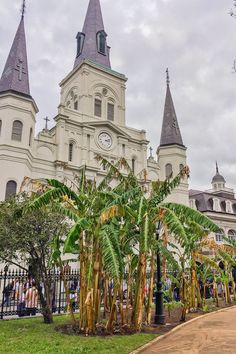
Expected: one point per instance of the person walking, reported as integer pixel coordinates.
(7, 291)
(31, 300)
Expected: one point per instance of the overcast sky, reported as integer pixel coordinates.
(196, 39)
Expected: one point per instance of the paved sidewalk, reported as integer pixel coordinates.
(214, 334)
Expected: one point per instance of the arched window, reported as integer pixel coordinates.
(72, 100)
(223, 206)
(98, 107)
(101, 42)
(76, 103)
(30, 136)
(133, 165)
(232, 235)
(17, 128)
(0, 126)
(110, 111)
(210, 203)
(169, 170)
(71, 150)
(219, 236)
(11, 188)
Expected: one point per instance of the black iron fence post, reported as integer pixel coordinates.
(3, 290)
(60, 279)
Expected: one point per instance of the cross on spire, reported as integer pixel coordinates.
(15, 74)
(167, 77)
(23, 9)
(20, 68)
(46, 122)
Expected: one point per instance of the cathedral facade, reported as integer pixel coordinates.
(91, 120)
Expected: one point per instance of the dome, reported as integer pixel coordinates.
(218, 179)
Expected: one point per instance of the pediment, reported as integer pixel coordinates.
(109, 125)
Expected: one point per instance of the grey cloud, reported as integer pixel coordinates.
(195, 39)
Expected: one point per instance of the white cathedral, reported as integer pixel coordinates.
(91, 119)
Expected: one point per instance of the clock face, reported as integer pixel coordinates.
(105, 140)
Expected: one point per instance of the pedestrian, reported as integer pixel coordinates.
(7, 294)
(31, 300)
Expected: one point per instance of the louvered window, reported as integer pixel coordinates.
(101, 39)
(71, 148)
(17, 130)
(98, 107)
(80, 43)
(133, 165)
(110, 111)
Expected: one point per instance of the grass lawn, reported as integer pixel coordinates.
(32, 336)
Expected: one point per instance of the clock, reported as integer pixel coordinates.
(105, 140)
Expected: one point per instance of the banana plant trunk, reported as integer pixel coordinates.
(150, 292)
(193, 281)
(137, 314)
(82, 297)
(110, 322)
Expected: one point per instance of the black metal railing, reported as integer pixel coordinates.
(14, 284)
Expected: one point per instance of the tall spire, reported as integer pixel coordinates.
(217, 168)
(170, 133)
(15, 76)
(91, 42)
(23, 9)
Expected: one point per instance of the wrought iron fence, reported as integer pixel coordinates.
(14, 284)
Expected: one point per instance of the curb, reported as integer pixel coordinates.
(177, 328)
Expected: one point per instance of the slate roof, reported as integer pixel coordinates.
(204, 200)
(170, 133)
(15, 76)
(92, 25)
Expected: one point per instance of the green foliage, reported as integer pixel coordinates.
(31, 233)
(112, 256)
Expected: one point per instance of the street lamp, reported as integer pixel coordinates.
(159, 314)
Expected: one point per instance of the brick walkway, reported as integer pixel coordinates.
(214, 334)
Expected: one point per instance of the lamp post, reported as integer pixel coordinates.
(159, 314)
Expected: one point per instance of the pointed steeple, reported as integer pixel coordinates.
(91, 42)
(15, 76)
(170, 133)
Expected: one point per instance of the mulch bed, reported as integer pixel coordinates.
(171, 322)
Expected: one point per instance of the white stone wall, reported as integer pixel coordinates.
(48, 155)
